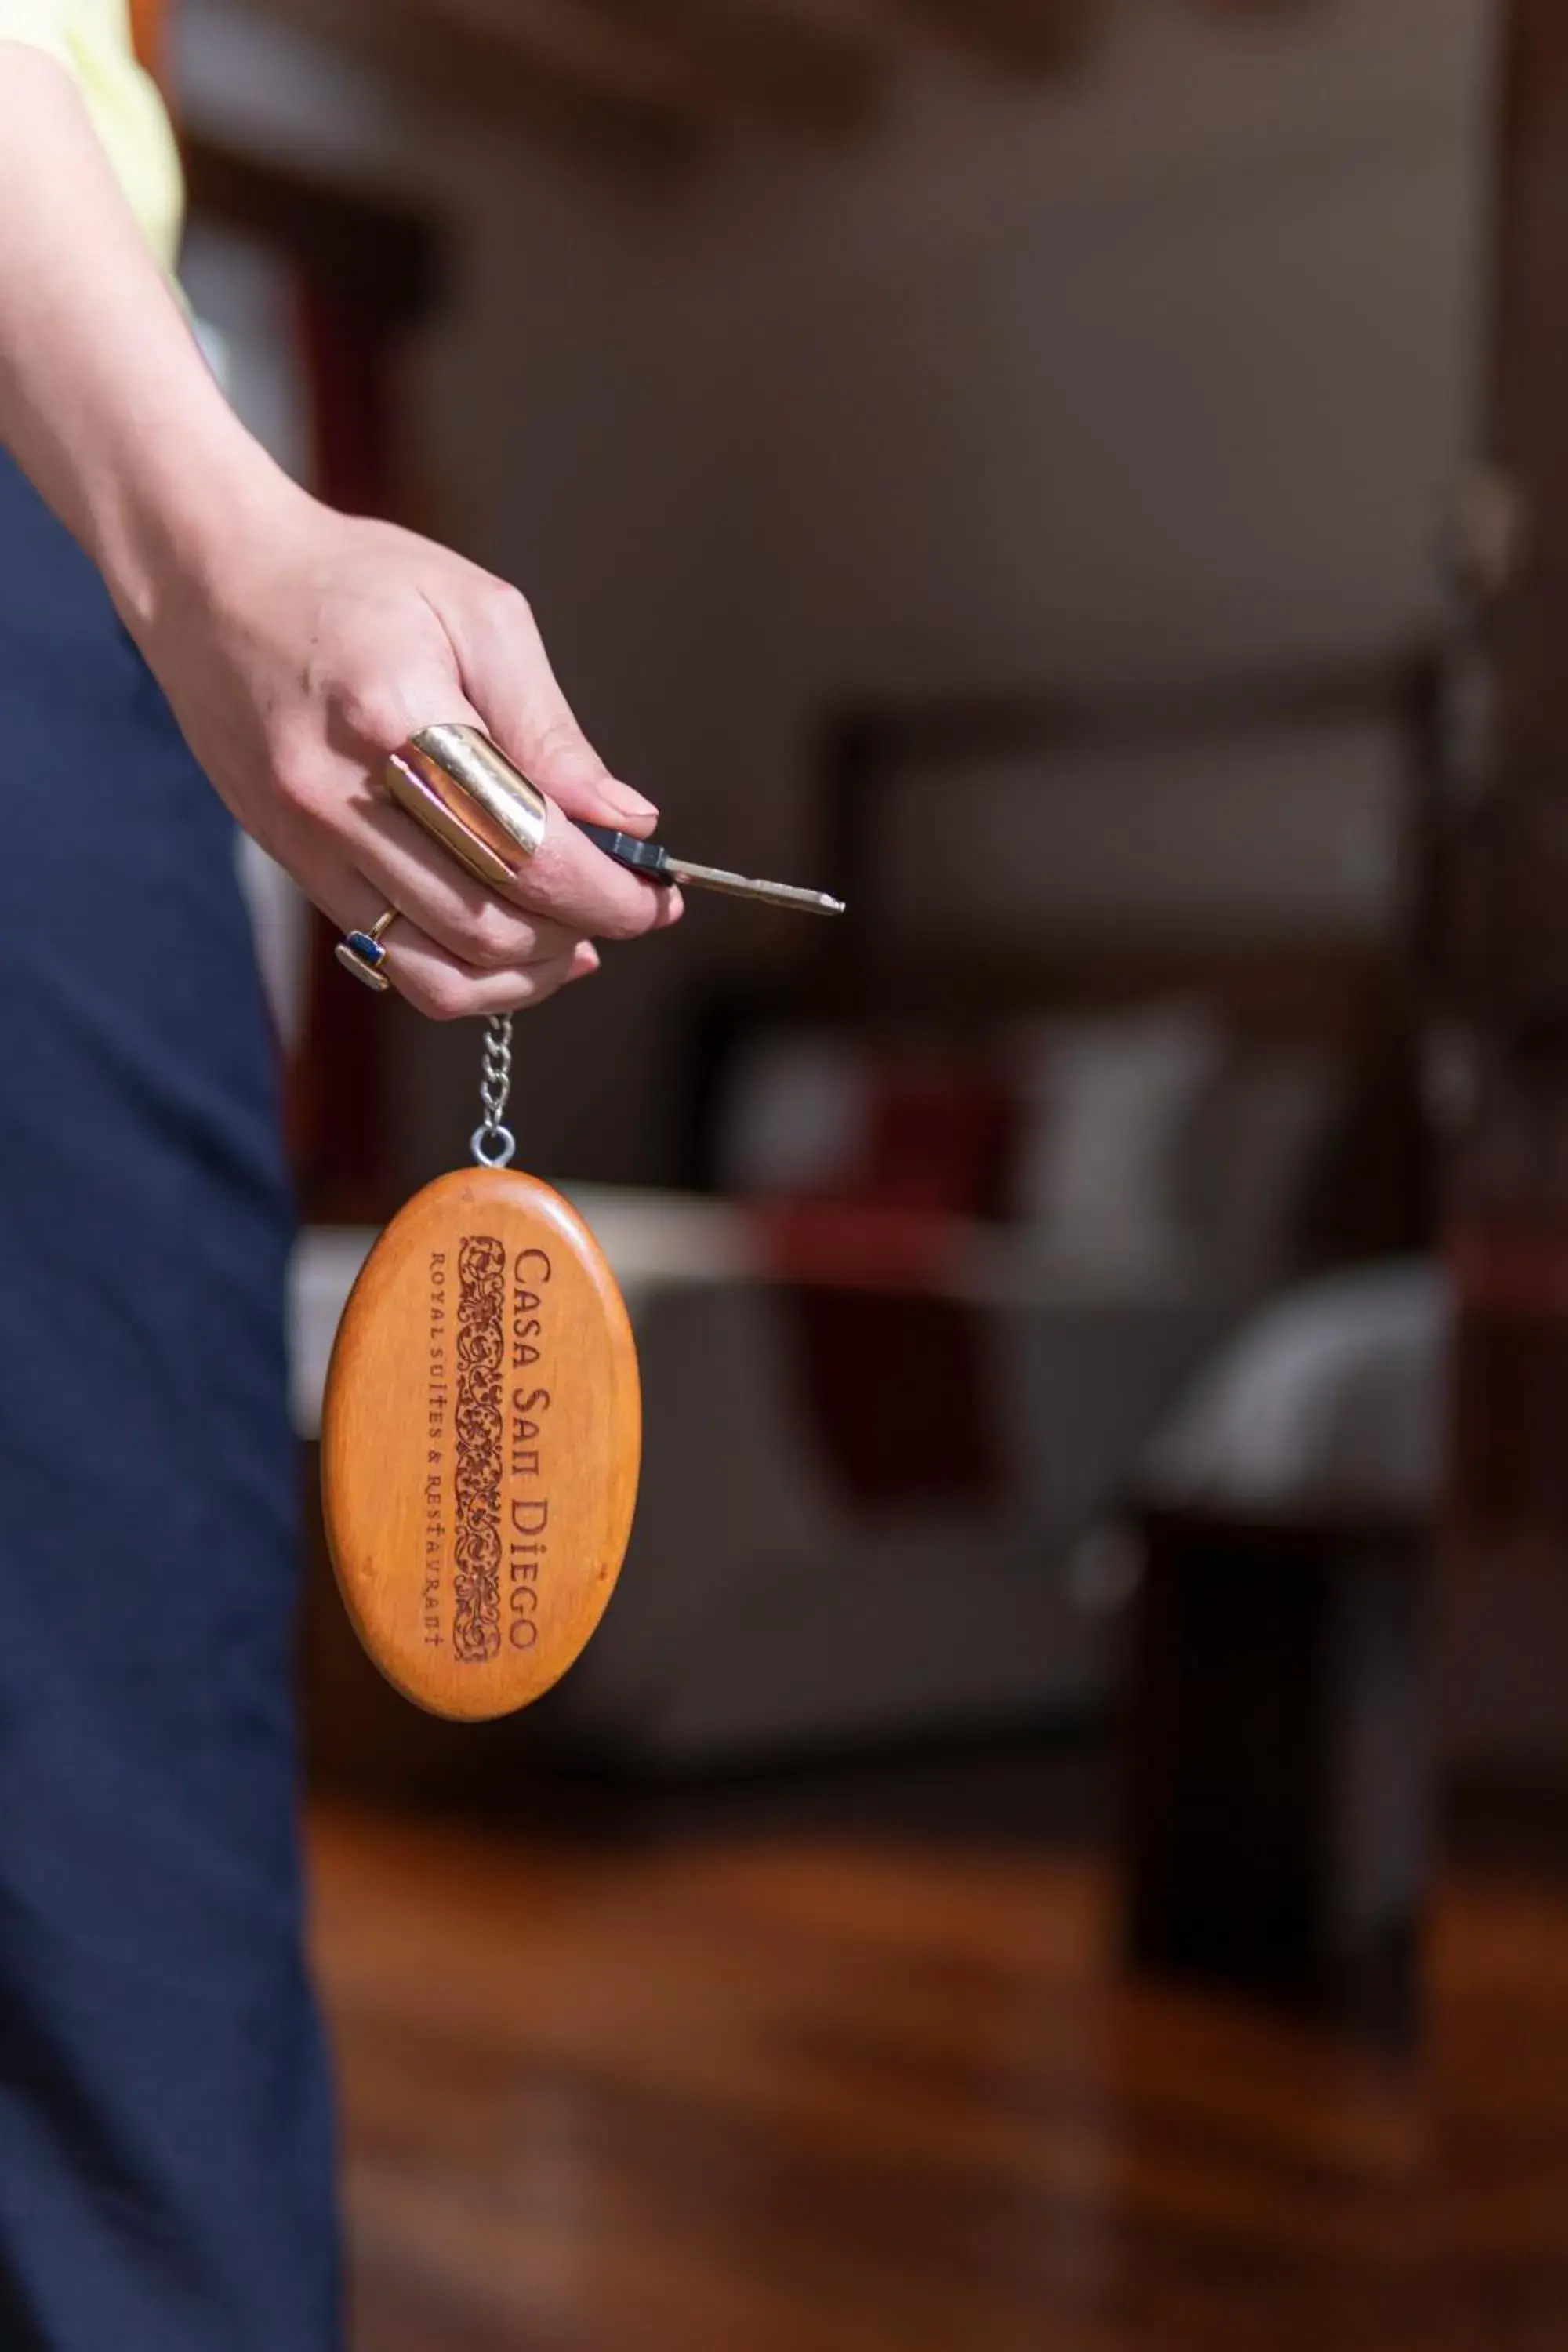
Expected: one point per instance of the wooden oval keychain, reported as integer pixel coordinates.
(481, 1433)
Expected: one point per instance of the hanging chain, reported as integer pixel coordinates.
(492, 1141)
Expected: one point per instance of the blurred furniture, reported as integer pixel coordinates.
(1239, 851)
(1030, 875)
(1138, 1024)
(1278, 1798)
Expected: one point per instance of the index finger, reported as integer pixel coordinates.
(577, 886)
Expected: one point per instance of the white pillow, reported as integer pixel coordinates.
(1111, 1104)
(797, 1115)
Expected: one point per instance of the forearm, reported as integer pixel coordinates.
(105, 399)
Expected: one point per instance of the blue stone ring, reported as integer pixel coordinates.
(362, 952)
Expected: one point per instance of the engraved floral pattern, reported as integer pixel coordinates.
(478, 1429)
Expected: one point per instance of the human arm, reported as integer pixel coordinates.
(297, 646)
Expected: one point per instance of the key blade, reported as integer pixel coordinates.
(742, 886)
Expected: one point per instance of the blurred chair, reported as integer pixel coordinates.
(1276, 1828)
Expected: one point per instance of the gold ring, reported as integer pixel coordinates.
(362, 952)
(471, 798)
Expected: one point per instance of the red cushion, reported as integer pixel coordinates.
(858, 1245)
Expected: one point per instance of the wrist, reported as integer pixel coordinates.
(168, 529)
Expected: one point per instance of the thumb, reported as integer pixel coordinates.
(507, 676)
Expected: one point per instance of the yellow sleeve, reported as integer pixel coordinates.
(40, 22)
(92, 38)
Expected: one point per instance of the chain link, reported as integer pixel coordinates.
(492, 1141)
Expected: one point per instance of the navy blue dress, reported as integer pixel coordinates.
(165, 2127)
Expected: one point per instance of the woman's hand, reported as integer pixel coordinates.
(315, 646)
(298, 647)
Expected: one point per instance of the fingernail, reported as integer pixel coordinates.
(626, 802)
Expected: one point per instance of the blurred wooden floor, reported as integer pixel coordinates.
(806, 2092)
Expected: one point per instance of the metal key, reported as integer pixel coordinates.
(650, 857)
